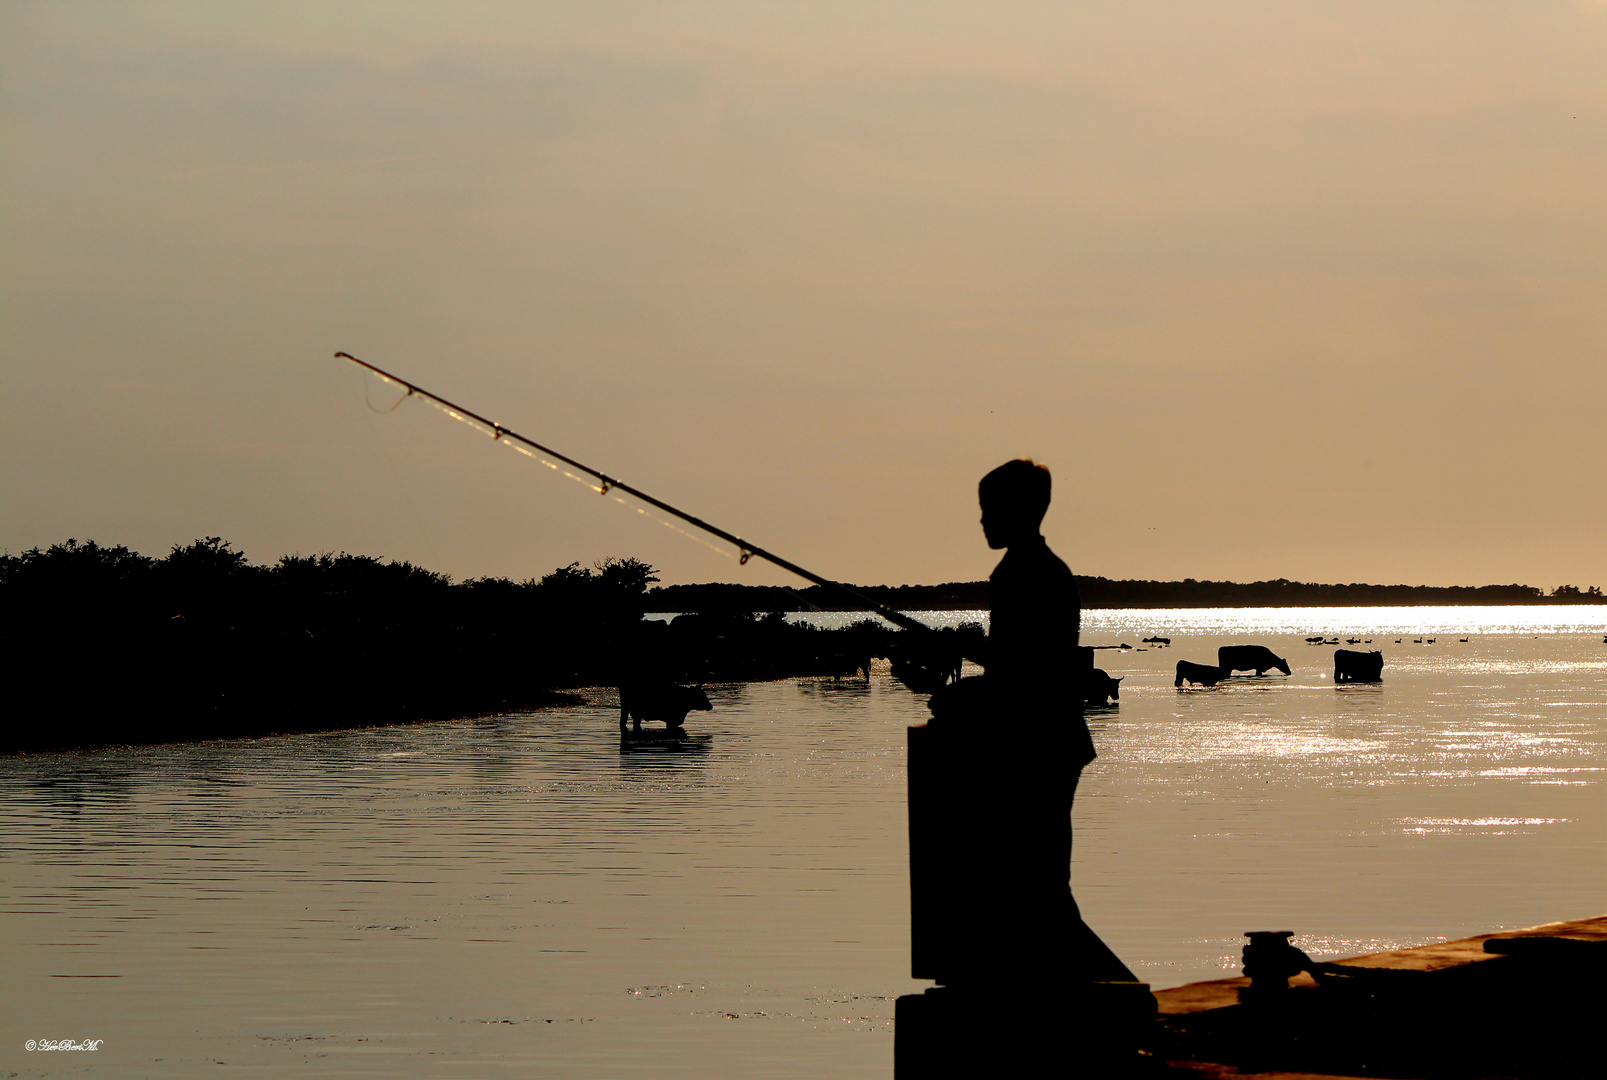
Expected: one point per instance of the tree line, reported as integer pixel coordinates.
(1101, 592)
(108, 646)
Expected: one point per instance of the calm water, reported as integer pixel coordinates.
(514, 897)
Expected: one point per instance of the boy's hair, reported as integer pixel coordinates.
(1017, 487)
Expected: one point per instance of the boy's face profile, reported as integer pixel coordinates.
(1002, 525)
(991, 529)
(1014, 498)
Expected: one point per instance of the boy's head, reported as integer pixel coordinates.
(1014, 498)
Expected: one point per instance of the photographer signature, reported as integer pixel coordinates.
(63, 1044)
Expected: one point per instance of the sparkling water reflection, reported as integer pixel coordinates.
(513, 894)
(1548, 619)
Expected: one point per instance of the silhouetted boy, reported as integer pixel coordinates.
(991, 784)
(1033, 659)
(1028, 926)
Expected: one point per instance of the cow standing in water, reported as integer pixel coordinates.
(1351, 666)
(1102, 686)
(1257, 658)
(663, 701)
(1204, 674)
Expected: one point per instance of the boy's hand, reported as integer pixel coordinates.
(925, 669)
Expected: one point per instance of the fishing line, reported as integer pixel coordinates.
(408, 501)
(604, 484)
(369, 401)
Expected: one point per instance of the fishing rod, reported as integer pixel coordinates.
(745, 549)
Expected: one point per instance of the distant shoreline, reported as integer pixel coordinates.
(111, 647)
(1099, 592)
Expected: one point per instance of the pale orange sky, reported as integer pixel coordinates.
(1276, 289)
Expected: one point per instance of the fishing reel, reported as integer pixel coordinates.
(926, 670)
(1270, 961)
